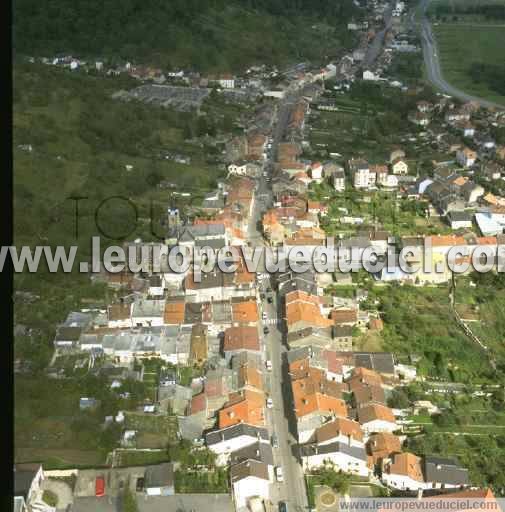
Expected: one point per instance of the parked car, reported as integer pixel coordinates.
(270, 403)
(283, 506)
(264, 315)
(275, 441)
(279, 474)
(270, 300)
(266, 330)
(268, 365)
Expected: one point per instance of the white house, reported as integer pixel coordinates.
(230, 439)
(340, 430)
(238, 169)
(363, 177)
(403, 472)
(399, 166)
(226, 81)
(369, 75)
(338, 180)
(316, 171)
(377, 418)
(466, 157)
(341, 456)
(250, 479)
(147, 313)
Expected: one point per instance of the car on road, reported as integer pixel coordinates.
(283, 506)
(275, 441)
(268, 364)
(279, 474)
(266, 330)
(270, 300)
(264, 315)
(270, 403)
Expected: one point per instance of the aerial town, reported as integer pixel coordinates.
(263, 391)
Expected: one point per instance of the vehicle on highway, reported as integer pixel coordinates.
(264, 315)
(268, 365)
(270, 403)
(275, 441)
(283, 506)
(266, 330)
(279, 474)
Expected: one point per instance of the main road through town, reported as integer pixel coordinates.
(292, 489)
(432, 64)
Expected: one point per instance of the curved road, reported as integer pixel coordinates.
(433, 69)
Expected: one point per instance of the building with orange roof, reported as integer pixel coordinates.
(360, 376)
(382, 446)
(301, 314)
(198, 347)
(119, 316)
(174, 313)
(342, 430)
(365, 394)
(404, 472)
(240, 338)
(344, 316)
(245, 312)
(479, 499)
(315, 401)
(376, 418)
(244, 407)
(250, 378)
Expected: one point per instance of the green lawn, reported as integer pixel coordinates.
(461, 47)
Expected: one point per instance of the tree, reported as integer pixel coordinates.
(398, 399)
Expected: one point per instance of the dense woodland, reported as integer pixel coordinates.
(202, 34)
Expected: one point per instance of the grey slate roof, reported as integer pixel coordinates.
(445, 471)
(249, 468)
(242, 429)
(456, 216)
(381, 362)
(23, 478)
(308, 450)
(68, 333)
(161, 475)
(297, 354)
(261, 452)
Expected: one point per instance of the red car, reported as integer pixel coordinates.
(99, 486)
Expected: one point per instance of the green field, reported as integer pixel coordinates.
(462, 48)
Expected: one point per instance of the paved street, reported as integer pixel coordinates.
(292, 489)
(377, 43)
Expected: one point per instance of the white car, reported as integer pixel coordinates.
(264, 315)
(268, 365)
(270, 403)
(278, 474)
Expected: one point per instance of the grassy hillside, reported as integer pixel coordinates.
(204, 35)
(81, 142)
(472, 58)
